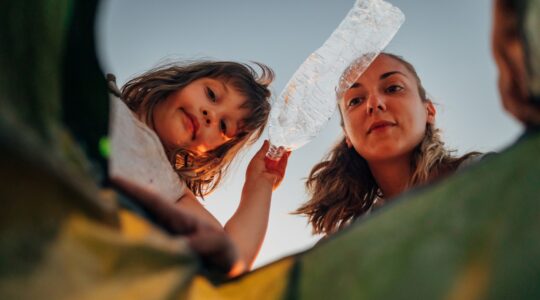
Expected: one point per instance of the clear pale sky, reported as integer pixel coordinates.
(447, 41)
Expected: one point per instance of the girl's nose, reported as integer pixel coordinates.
(208, 116)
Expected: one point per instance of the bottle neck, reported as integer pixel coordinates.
(275, 152)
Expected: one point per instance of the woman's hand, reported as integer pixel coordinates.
(258, 170)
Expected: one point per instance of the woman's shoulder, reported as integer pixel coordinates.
(474, 158)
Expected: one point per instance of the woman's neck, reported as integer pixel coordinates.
(392, 176)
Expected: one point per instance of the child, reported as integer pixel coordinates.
(203, 113)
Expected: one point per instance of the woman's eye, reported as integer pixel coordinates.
(354, 101)
(223, 127)
(394, 89)
(211, 95)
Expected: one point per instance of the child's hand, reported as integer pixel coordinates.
(257, 169)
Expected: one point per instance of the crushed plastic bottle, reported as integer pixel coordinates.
(309, 98)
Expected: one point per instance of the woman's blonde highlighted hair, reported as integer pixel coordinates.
(342, 187)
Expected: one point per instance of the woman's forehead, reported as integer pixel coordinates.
(384, 64)
(383, 67)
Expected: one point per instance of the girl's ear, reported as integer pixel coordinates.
(431, 112)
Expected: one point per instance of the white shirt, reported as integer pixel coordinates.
(138, 157)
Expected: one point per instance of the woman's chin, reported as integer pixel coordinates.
(384, 153)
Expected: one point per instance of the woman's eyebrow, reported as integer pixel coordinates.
(355, 85)
(388, 74)
(383, 76)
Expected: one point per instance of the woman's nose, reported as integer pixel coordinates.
(375, 104)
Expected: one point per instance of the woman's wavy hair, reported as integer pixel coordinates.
(202, 172)
(342, 187)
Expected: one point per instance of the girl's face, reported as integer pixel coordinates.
(201, 116)
(384, 117)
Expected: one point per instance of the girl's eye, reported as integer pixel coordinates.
(223, 127)
(211, 95)
(394, 89)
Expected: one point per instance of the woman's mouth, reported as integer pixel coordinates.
(380, 125)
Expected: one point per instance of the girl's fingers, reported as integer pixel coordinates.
(264, 148)
(282, 165)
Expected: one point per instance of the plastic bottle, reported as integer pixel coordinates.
(309, 98)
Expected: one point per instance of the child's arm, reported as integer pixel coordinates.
(205, 235)
(247, 227)
(189, 203)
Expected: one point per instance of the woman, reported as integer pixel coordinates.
(390, 144)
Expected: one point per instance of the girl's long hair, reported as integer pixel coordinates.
(342, 187)
(202, 172)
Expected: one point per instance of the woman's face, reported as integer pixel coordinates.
(384, 117)
(201, 116)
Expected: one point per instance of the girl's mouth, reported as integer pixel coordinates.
(194, 124)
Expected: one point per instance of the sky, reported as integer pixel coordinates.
(448, 42)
